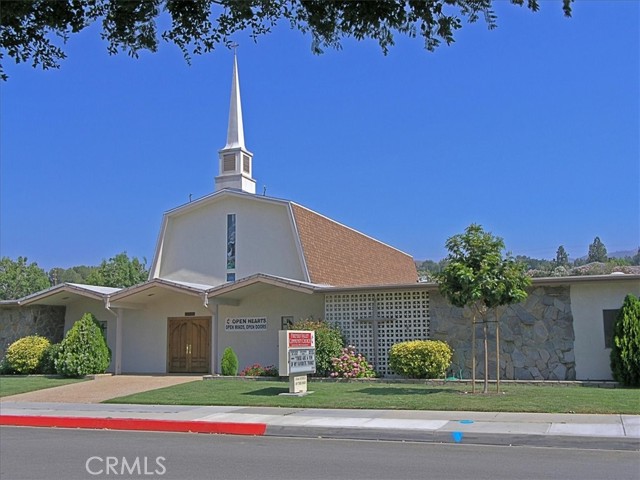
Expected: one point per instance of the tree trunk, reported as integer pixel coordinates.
(486, 356)
(473, 354)
(497, 352)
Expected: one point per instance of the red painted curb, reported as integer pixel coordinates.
(193, 426)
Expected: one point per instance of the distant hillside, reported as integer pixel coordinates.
(623, 253)
(618, 254)
(621, 261)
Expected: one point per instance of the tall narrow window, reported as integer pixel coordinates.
(231, 241)
(609, 320)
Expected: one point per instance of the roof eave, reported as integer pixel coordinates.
(585, 278)
(156, 282)
(34, 298)
(281, 282)
(534, 281)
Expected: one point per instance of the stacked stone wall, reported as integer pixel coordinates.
(536, 336)
(17, 322)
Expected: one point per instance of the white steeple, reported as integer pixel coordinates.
(235, 131)
(234, 159)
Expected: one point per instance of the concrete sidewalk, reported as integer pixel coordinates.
(609, 432)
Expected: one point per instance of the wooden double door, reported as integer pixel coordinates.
(189, 345)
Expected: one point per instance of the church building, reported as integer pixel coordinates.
(230, 270)
(233, 268)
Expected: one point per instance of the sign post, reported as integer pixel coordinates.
(297, 358)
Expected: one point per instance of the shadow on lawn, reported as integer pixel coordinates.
(402, 391)
(267, 392)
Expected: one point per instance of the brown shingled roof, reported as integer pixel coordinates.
(340, 256)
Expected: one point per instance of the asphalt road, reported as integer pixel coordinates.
(47, 453)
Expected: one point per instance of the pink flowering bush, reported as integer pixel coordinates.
(351, 365)
(257, 370)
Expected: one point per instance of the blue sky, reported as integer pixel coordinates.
(531, 130)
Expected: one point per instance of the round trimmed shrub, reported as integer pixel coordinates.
(351, 364)
(25, 355)
(329, 343)
(420, 358)
(84, 350)
(229, 362)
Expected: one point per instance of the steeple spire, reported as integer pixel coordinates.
(235, 131)
(234, 159)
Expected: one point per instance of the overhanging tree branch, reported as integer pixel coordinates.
(36, 30)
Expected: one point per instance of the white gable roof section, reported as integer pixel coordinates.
(149, 288)
(154, 271)
(274, 251)
(138, 295)
(61, 294)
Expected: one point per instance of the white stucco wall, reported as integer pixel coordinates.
(144, 348)
(262, 347)
(195, 242)
(588, 300)
(144, 332)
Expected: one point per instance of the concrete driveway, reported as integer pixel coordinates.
(102, 388)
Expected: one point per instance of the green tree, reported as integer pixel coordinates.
(427, 269)
(55, 275)
(625, 352)
(477, 276)
(84, 350)
(538, 267)
(19, 279)
(119, 272)
(597, 251)
(28, 29)
(562, 258)
(229, 362)
(430, 266)
(77, 274)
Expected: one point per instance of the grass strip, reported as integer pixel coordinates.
(15, 384)
(515, 398)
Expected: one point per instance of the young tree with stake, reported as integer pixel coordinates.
(477, 276)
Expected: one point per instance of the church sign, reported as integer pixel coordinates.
(297, 358)
(302, 360)
(245, 324)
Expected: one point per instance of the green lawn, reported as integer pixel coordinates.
(516, 398)
(14, 384)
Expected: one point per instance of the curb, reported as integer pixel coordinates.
(151, 425)
(485, 439)
(375, 434)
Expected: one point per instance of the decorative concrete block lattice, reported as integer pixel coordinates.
(379, 319)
